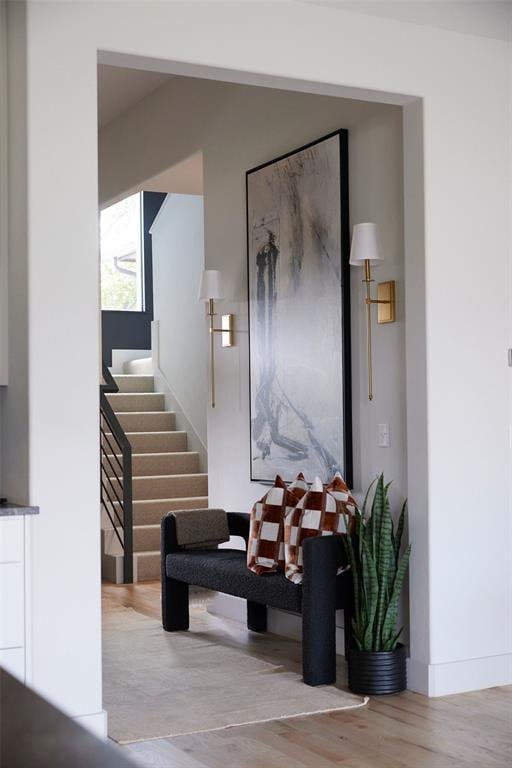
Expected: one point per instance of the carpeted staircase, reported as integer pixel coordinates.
(165, 475)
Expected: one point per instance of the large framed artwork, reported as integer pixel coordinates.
(299, 313)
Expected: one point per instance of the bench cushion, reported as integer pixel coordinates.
(225, 570)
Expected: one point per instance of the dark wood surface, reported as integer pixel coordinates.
(33, 734)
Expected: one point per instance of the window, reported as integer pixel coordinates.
(121, 256)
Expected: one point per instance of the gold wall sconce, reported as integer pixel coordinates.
(365, 251)
(210, 291)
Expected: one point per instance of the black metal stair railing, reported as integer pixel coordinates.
(116, 474)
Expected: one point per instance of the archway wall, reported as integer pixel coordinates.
(457, 241)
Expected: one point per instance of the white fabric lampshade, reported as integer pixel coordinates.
(365, 244)
(210, 285)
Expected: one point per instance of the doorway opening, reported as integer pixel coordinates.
(230, 128)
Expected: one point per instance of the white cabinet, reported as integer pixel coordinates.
(14, 533)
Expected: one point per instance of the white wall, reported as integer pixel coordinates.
(178, 259)
(461, 572)
(3, 199)
(15, 408)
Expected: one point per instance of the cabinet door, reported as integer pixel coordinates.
(12, 605)
(11, 539)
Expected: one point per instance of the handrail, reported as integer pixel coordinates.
(123, 518)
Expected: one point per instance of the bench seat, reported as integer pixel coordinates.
(225, 570)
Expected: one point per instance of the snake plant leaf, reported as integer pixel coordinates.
(385, 568)
(356, 634)
(399, 531)
(372, 593)
(349, 549)
(377, 510)
(369, 528)
(390, 643)
(392, 609)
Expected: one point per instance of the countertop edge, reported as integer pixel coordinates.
(13, 510)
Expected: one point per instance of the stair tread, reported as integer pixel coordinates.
(149, 432)
(173, 499)
(166, 474)
(147, 552)
(134, 394)
(146, 525)
(159, 453)
(144, 413)
(167, 453)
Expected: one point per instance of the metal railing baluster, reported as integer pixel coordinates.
(123, 457)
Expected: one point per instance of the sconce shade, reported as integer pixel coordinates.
(365, 245)
(210, 285)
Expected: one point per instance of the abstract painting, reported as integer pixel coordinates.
(299, 313)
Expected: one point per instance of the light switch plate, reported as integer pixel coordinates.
(383, 435)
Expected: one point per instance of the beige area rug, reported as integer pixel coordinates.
(158, 684)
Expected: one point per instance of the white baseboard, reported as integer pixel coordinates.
(96, 723)
(459, 676)
(429, 679)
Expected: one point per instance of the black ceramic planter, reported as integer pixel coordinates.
(377, 672)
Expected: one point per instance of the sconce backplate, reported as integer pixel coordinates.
(386, 293)
(227, 330)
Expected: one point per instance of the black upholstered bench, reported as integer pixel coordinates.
(225, 570)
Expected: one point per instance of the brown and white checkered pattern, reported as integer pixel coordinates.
(348, 504)
(265, 549)
(318, 513)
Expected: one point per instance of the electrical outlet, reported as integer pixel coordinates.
(383, 435)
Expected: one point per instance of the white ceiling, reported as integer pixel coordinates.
(185, 178)
(486, 18)
(120, 88)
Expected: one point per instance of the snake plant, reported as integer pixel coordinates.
(378, 571)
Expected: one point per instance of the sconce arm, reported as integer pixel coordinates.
(378, 301)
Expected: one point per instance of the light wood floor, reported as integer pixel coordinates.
(403, 731)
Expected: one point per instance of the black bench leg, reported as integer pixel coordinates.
(174, 605)
(319, 611)
(319, 647)
(256, 617)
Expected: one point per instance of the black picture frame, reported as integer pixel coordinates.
(344, 272)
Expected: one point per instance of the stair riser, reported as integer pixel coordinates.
(151, 512)
(164, 442)
(166, 464)
(156, 464)
(150, 442)
(146, 539)
(134, 401)
(148, 422)
(147, 566)
(169, 487)
(135, 383)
